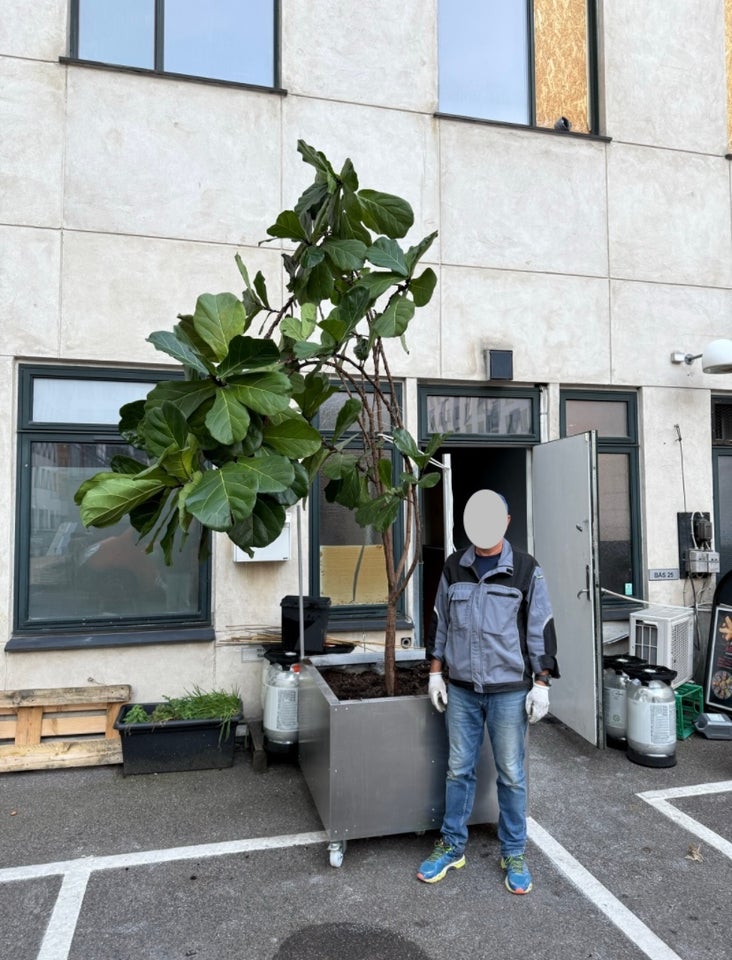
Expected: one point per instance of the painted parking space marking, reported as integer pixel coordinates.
(661, 801)
(590, 887)
(59, 933)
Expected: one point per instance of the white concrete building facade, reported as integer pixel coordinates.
(590, 255)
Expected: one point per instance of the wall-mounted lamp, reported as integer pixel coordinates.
(717, 357)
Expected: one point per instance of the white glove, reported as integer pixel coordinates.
(537, 702)
(438, 692)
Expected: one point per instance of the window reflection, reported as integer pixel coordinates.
(75, 573)
(507, 416)
(222, 39)
(120, 33)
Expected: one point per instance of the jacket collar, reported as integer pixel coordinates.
(505, 561)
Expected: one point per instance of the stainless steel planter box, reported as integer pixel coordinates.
(377, 767)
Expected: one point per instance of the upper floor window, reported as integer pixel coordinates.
(519, 61)
(231, 40)
(75, 584)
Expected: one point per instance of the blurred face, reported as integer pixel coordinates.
(485, 519)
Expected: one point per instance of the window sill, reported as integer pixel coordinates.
(144, 71)
(573, 134)
(30, 643)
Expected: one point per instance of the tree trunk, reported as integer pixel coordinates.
(390, 648)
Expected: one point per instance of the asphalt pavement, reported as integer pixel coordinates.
(628, 862)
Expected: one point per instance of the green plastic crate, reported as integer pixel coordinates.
(689, 704)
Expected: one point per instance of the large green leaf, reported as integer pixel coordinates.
(378, 283)
(315, 390)
(312, 199)
(387, 253)
(167, 342)
(345, 255)
(299, 328)
(316, 158)
(179, 463)
(290, 434)
(262, 527)
(267, 393)
(274, 473)
(422, 287)
(113, 495)
(163, 426)
(353, 307)
(347, 416)
(287, 226)
(385, 213)
(348, 176)
(218, 318)
(319, 284)
(222, 497)
(187, 395)
(395, 319)
(186, 332)
(130, 418)
(228, 419)
(415, 253)
(246, 353)
(339, 465)
(379, 513)
(125, 464)
(311, 257)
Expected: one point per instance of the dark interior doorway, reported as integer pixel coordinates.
(502, 469)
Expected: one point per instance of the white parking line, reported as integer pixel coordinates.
(589, 886)
(59, 933)
(659, 799)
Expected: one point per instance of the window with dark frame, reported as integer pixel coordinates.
(523, 62)
(71, 580)
(347, 561)
(224, 40)
(614, 417)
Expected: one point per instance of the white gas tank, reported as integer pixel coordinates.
(280, 707)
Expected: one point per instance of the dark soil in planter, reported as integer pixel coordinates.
(349, 684)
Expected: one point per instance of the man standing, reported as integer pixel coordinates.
(493, 630)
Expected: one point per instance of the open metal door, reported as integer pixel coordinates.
(564, 494)
(447, 504)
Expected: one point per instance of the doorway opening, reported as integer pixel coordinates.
(503, 469)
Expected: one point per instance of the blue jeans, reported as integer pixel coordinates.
(504, 714)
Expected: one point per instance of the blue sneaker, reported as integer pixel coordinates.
(518, 875)
(443, 858)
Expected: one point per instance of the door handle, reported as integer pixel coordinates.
(585, 589)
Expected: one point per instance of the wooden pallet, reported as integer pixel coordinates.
(60, 727)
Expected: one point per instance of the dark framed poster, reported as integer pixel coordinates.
(718, 680)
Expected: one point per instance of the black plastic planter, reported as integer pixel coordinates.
(175, 745)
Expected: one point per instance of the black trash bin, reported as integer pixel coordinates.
(315, 617)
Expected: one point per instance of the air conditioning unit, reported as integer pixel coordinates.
(664, 636)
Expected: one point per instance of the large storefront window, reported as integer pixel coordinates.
(69, 578)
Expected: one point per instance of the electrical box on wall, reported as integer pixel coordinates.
(279, 549)
(696, 557)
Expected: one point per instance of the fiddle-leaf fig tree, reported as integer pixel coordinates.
(233, 444)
